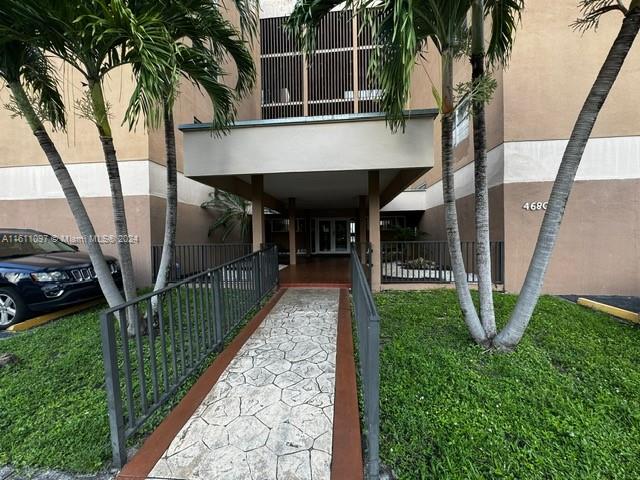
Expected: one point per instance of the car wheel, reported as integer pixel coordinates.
(12, 308)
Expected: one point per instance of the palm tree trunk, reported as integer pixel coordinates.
(171, 213)
(117, 198)
(451, 215)
(483, 248)
(510, 336)
(78, 210)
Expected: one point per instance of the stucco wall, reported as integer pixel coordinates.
(80, 142)
(598, 248)
(552, 70)
(54, 216)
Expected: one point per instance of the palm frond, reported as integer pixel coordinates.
(506, 16)
(593, 10)
(30, 67)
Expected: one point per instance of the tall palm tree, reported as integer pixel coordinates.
(405, 27)
(96, 37)
(505, 16)
(211, 41)
(592, 11)
(33, 86)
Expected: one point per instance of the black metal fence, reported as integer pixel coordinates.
(189, 260)
(430, 262)
(368, 339)
(147, 358)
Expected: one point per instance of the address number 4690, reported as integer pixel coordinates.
(535, 206)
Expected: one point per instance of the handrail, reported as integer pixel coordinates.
(152, 344)
(368, 337)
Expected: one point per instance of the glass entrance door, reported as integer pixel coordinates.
(324, 236)
(341, 235)
(332, 235)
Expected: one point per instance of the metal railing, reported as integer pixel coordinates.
(148, 357)
(189, 260)
(368, 339)
(430, 262)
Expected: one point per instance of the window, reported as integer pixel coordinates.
(461, 124)
(391, 223)
(279, 225)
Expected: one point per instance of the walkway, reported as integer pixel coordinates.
(317, 271)
(270, 415)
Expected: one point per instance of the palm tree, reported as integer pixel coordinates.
(95, 37)
(592, 11)
(211, 41)
(405, 27)
(505, 16)
(232, 211)
(33, 86)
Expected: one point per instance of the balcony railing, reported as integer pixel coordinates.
(148, 357)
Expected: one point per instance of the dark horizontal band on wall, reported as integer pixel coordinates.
(348, 117)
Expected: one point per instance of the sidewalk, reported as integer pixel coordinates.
(270, 415)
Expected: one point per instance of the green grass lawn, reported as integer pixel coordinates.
(53, 406)
(565, 405)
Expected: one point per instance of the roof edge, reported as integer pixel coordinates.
(345, 118)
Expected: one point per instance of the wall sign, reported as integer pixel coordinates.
(535, 206)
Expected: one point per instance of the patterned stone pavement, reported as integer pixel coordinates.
(270, 415)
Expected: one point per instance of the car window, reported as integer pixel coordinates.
(24, 244)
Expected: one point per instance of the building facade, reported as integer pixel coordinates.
(311, 148)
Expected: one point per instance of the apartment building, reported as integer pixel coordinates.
(31, 197)
(311, 148)
(529, 122)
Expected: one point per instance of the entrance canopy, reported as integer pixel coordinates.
(322, 162)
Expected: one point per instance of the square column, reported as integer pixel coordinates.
(362, 228)
(293, 247)
(257, 211)
(374, 229)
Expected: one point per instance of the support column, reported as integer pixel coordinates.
(374, 229)
(293, 247)
(362, 227)
(257, 211)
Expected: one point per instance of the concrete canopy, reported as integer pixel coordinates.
(320, 161)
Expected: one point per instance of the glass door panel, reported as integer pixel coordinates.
(341, 235)
(324, 235)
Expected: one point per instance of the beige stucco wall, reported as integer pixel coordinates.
(432, 221)
(552, 70)
(54, 217)
(193, 223)
(598, 248)
(80, 143)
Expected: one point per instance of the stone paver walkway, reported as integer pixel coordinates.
(270, 415)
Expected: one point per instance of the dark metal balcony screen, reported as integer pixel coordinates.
(332, 81)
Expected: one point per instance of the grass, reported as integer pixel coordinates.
(565, 405)
(53, 408)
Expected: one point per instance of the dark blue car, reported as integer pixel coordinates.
(39, 273)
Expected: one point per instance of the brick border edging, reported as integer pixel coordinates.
(157, 443)
(346, 462)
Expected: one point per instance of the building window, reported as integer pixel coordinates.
(461, 124)
(391, 223)
(281, 225)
